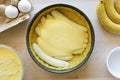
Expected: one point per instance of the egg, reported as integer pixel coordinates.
(11, 11)
(24, 6)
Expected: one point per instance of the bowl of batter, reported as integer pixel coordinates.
(60, 38)
(11, 66)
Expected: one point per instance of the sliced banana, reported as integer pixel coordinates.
(58, 15)
(65, 58)
(79, 51)
(50, 60)
(50, 50)
(59, 38)
(37, 30)
(43, 20)
(86, 40)
(49, 16)
(58, 54)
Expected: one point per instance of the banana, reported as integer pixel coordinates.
(117, 5)
(111, 12)
(54, 52)
(105, 20)
(50, 60)
(37, 30)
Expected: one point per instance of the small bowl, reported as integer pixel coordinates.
(113, 62)
(16, 54)
(73, 14)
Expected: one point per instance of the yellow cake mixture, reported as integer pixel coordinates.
(61, 37)
(10, 65)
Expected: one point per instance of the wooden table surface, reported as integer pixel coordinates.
(94, 68)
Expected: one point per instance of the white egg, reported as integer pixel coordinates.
(24, 6)
(11, 11)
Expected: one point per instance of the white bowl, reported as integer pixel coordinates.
(113, 62)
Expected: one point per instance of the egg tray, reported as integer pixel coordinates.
(6, 23)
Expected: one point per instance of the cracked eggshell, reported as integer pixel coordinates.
(11, 11)
(24, 6)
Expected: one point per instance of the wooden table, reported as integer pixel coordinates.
(95, 67)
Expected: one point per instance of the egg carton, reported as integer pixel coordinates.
(5, 22)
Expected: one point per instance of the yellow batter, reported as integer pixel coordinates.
(60, 37)
(10, 65)
(47, 35)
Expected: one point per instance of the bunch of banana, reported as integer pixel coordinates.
(108, 16)
(117, 5)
